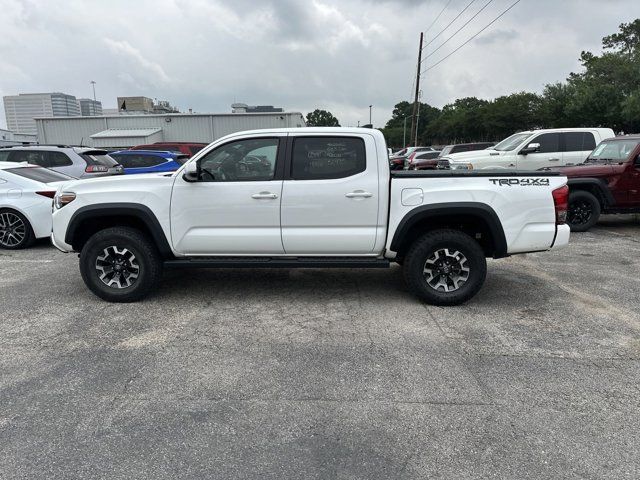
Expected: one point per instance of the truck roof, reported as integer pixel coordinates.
(580, 129)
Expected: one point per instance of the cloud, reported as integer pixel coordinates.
(343, 55)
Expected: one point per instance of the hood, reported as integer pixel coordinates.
(473, 155)
(588, 170)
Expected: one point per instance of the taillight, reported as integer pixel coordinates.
(561, 202)
(96, 169)
(48, 194)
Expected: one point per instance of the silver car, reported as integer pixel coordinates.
(78, 162)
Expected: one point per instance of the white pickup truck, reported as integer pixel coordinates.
(531, 150)
(312, 197)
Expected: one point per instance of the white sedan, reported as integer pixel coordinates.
(26, 195)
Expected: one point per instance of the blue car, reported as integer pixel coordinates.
(149, 161)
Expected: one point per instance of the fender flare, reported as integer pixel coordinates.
(138, 211)
(480, 210)
(599, 183)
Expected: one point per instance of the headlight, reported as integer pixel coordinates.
(63, 198)
(462, 166)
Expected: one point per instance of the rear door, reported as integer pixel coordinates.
(548, 155)
(330, 195)
(577, 147)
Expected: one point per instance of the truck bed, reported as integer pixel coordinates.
(468, 173)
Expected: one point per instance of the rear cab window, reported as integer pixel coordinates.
(325, 158)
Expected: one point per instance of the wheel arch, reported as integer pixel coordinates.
(478, 220)
(90, 219)
(597, 187)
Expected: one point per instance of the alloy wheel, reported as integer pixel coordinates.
(446, 270)
(117, 268)
(580, 212)
(12, 230)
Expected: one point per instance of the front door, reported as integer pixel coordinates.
(548, 155)
(330, 196)
(234, 207)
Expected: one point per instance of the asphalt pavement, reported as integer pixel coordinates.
(277, 374)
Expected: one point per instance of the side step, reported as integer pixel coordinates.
(277, 262)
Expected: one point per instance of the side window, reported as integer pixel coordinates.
(549, 142)
(252, 159)
(59, 159)
(579, 141)
(323, 158)
(29, 156)
(589, 142)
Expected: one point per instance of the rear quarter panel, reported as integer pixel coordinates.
(526, 211)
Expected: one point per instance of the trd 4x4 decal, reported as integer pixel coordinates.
(523, 182)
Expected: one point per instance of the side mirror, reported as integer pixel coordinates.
(531, 148)
(191, 172)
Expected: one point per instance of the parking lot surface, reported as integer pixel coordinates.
(326, 373)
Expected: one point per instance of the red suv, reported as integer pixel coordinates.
(607, 182)
(187, 148)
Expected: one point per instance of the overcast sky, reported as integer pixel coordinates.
(341, 55)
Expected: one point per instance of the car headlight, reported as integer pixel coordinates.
(461, 166)
(63, 198)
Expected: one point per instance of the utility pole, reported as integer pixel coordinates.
(93, 84)
(418, 117)
(414, 130)
(404, 132)
(370, 121)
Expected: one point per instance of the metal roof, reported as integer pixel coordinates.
(126, 132)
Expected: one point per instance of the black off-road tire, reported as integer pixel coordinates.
(137, 254)
(584, 211)
(431, 246)
(28, 237)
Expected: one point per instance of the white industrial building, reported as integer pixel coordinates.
(21, 110)
(123, 131)
(9, 138)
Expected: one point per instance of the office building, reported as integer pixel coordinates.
(21, 110)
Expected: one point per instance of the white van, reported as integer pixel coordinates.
(532, 150)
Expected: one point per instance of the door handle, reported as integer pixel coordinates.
(554, 159)
(358, 194)
(264, 195)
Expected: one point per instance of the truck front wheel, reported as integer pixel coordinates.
(584, 211)
(120, 264)
(445, 267)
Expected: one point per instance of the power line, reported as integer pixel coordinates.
(438, 17)
(470, 39)
(450, 23)
(458, 31)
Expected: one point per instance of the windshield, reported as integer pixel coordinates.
(613, 151)
(511, 143)
(39, 174)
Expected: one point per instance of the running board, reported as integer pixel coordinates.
(277, 262)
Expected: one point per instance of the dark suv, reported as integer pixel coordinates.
(607, 182)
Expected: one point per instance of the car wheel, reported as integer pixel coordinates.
(120, 264)
(445, 267)
(15, 230)
(584, 211)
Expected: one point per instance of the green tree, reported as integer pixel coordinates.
(321, 118)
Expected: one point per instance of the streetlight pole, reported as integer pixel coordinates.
(370, 122)
(93, 84)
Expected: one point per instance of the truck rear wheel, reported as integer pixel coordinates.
(584, 211)
(445, 267)
(120, 264)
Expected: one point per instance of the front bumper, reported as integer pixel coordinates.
(63, 247)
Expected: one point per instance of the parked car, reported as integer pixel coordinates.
(532, 150)
(149, 161)
(326, 200)
(607, 182)
(26, 194)
(78, 162)
(396, 161)
(422, 161)
(465, 147)
(186, 148)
